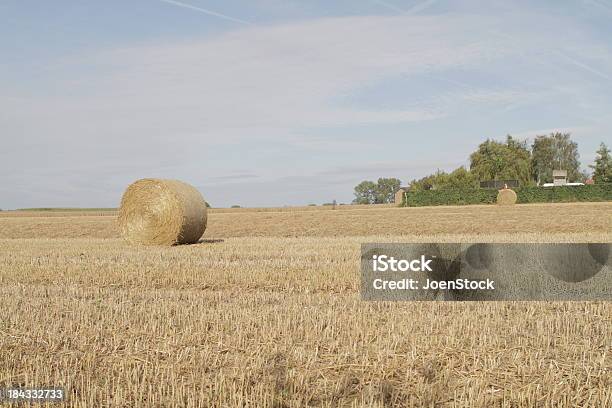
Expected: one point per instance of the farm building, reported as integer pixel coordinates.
(399, 195)
(559, 177)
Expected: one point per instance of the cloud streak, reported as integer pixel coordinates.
(412, 10)
(271, 77)
(206, 11)
(582, 65)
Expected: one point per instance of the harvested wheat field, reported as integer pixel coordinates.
(265, 312)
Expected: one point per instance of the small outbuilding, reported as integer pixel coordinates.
(559, 177)
(399, 195)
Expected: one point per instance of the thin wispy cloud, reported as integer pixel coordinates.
(581, 64)
(411, 10)
(555, 50)
(206, 11)
(530, 134)
(420, 6)
(248, 80)
(390, 6)
(601, 5)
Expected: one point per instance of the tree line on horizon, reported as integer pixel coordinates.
(512, 159)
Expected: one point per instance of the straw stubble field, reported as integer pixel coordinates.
(265, 311)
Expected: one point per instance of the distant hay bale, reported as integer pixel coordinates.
(162, 212)
(506, 196)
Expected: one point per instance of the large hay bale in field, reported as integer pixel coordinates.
(506, 196)
(162, 212)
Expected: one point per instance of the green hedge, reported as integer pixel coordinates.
(595, 192)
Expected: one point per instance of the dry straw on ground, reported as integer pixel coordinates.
(162, 212)
(267, 313)
(560, 219)
(506, 196)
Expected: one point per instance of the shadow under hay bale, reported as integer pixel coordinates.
(162, 212)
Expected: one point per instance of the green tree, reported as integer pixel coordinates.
(386, 189)
(554, 152)
(461, 179)
(502, 161)
(365, 192)
(602, 168)
(368, 192)
(428, 182)
(542, 156)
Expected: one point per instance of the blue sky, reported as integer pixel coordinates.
(271, 103)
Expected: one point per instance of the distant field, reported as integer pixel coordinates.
(265, 311)
(68, 209)
(383, 220)
(63, 212)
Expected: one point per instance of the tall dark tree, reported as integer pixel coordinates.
(555, 152)
(602, 168)
(502, 161)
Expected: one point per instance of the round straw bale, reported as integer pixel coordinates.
(162, 212)
(506, 196)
